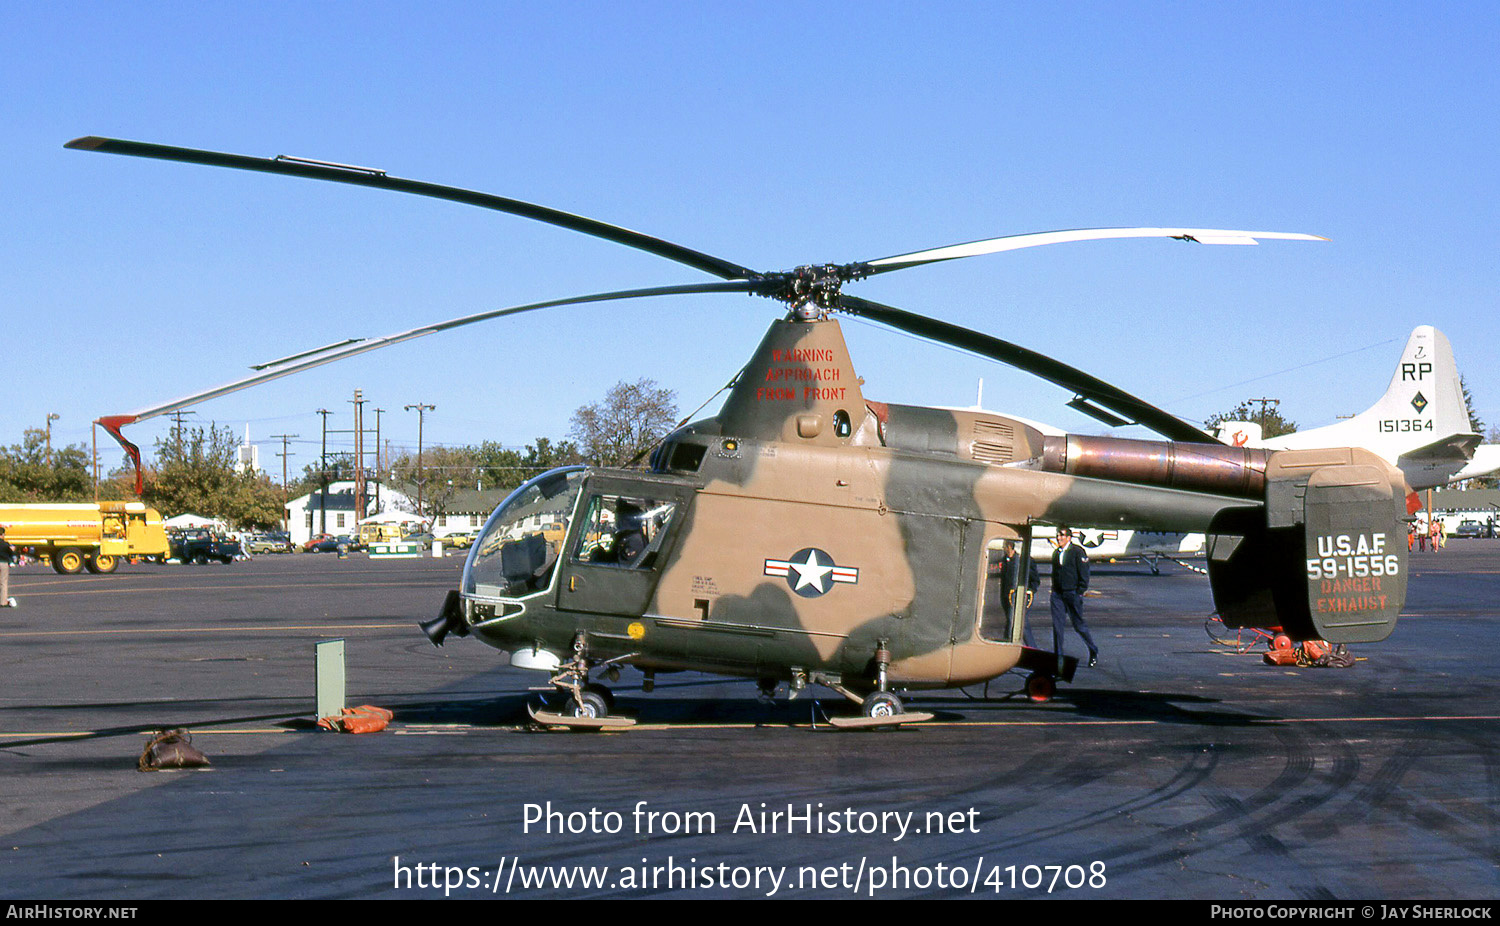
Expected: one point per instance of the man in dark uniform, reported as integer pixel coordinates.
(1010, 581)
(1070, 579)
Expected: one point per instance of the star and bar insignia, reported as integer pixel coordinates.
(811, 572)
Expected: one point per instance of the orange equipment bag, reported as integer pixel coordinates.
(366, 718)
(1281, 657)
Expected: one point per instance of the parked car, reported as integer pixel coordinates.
(270, 542)
(328, 543)
(1469, 529)
(460, 540)
(199, 546)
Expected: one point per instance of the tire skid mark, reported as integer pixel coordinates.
(1297, 768)
(1189, 776)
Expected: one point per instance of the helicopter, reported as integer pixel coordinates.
(810, 535)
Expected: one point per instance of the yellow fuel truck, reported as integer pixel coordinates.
(92, 536)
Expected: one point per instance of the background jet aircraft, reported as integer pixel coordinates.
(1420, 425)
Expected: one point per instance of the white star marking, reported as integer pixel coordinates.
(811, 573)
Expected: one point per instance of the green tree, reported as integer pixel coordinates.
(25, 475)
(1272, 424)
(544, 455)
(443, 471)
(194, 473)
(497, 466)
(1476, 424)
(630, 421)
(500, 467)
(340, 468)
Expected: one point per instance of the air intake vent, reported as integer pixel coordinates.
(994, 441)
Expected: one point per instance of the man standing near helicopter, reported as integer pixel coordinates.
(1011, 585)
(1070, 579)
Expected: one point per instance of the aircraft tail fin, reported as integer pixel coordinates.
(1424, 391)
(1421, 421)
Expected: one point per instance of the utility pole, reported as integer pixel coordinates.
(422, 411)
(1263, 404)
(50, 418)
(285, 527)
(379, 467)
(177, 430)
(359, 458)
(323, 475)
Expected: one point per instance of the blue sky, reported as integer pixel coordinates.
(771, 134)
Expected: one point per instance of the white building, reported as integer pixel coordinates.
(249, 455)
(466, 510)
(334, 513)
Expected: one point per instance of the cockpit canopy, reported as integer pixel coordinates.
(519, 545)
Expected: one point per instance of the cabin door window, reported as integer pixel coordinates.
(1007, 569)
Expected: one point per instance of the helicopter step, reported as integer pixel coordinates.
(1044, 662)
(549, 719)
(1045, 670)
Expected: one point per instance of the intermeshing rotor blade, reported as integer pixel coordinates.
(309, 359)
(362, 176)
(1036, 239)
(1087, 387)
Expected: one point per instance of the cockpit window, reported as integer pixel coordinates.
(519, 545)
(678, 457)
(687, 457)
(623, 531)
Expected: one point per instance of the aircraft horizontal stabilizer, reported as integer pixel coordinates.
(1455, 448)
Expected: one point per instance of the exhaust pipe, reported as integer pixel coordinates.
(1237, 471)
(449, 620)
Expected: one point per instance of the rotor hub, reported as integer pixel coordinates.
(813, 290)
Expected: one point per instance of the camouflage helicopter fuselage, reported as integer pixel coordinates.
(809, 529)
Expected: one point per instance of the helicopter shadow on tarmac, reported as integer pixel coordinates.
(676, 704)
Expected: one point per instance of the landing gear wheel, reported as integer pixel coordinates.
(591, 705)
(1040, 688)
(882, 704)
(67, 561)
(603, 692)
(102, 564)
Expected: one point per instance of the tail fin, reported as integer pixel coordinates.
(1425, 389)
(1421, 424)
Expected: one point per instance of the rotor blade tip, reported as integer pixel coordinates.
(86, 143)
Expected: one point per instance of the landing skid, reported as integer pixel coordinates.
(549, 719)
(870, 723)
